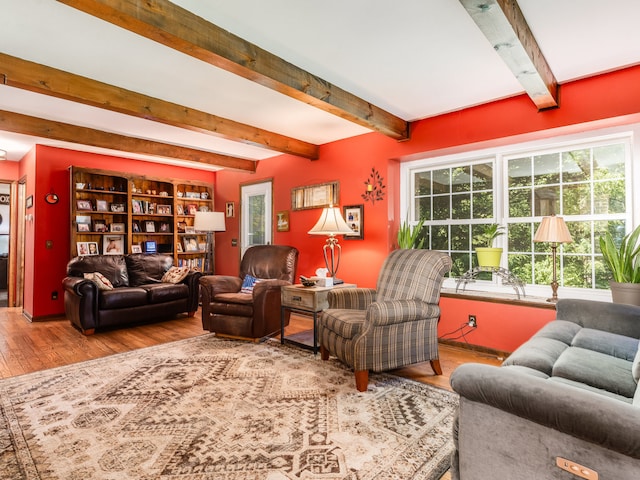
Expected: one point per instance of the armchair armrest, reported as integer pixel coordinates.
(595, 418)
(399, 311)
(351, 298)
(215, 284)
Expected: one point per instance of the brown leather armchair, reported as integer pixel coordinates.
(229, 312)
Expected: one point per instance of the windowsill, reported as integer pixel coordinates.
(498, 297)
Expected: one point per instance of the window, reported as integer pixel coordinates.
(587, 181)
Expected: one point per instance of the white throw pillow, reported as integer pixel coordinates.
(100, 280)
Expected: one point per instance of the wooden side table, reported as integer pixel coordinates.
(298, 298)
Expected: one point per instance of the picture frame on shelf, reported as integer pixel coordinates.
(100, 226)
(203, 208)
(179, 247)
(102, 206)
(150, 226)
(163, 209)
(83, 248)
(117, 207)
(84, 205)
(190, 229)
(354, 216)
(117, 228)
(190, 244)
(135, 226)
(93, 248)
(192, 208)
(182, 226)
(165, 227)
(136, 249)
(84, 227)
(136, 206)
(202, 246)
(113, 245)
(179, 209)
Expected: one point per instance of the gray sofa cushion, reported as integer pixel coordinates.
(611, 344)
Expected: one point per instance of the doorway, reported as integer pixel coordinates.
(5, 231)
(256, 215)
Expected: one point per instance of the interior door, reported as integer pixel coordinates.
(256, 215)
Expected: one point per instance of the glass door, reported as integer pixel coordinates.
(256, 215)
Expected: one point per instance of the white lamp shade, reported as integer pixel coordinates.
(553, 229)
(330, 223)
(209, 222)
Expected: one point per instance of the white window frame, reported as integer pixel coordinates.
(629, 134)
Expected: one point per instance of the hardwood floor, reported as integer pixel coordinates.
(28, 347)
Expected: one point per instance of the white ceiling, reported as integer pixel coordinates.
(413, 58)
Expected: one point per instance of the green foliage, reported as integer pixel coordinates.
(409, 237)
(489, 234)
(622, 261)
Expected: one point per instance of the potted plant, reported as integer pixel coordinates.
(489, 256)
(409, 237)
(624, 265)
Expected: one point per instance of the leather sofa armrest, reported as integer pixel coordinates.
(400, 311)
(81, 302)
(351, 298)
(592, 417)
(192, 280)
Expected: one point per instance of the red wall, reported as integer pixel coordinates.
(49, 167)
(597, 102)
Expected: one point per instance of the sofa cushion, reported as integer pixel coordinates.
(238, 298)
(539, 353)
(175, 274)
(147, 268)
(165, 292)
(597, 370)
(612, 344)
(100, 280)
(113, 267)
(123, 297)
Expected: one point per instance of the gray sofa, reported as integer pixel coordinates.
(571, 391)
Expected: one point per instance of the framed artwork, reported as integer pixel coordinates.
(136, 206)
(315, 196)
(102, 206)
(84, 227)
(231, 209)
(163, 209)
(113, 244)
(354, 216)
(179, 209)
(149, 226)
(117, 207)
(135, 226)
(116, 227)
(100, 226)
(83, 248)
(93, 248)
(29, 202)
(192, 208)
(179, 248)
(165, 228)
(182, 227)
(283, 221)
(190, 244)
(136, 249)
(84, 205)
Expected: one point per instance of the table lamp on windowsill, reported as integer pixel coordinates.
(209, 222)
(553, 229)
(331, 224)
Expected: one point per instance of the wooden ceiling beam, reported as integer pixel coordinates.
(45, 80)
(177, 28)
(39, 127)
(504, 25)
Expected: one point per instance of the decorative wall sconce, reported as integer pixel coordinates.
(374, 187)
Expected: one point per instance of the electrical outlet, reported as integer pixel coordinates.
(54, 295)
(473, 322)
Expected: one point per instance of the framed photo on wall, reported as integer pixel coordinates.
(354, 216)
(283, 221)
(230, 209)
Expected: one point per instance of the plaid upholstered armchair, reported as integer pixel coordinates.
(392, 326)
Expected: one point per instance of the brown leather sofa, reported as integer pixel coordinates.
(229, 312)
(138, 293)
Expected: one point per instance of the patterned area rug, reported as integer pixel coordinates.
(206, 408)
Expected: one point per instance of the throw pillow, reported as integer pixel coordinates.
(100, 280)
(175, 274)
(248, 283)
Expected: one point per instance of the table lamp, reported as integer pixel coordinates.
(209, 222)
(331, 224)
(553, 229)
